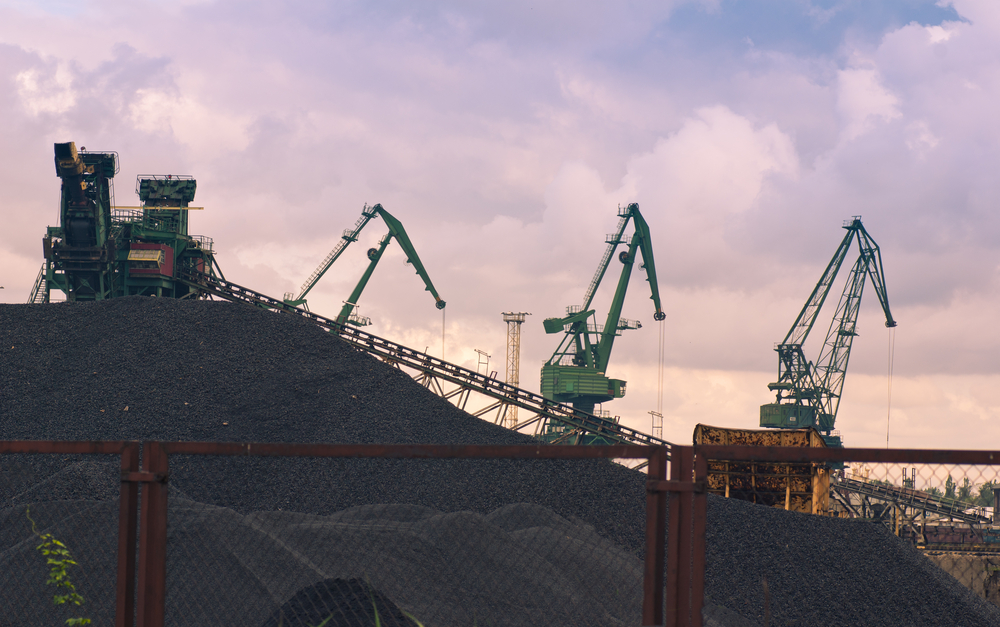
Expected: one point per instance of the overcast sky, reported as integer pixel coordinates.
(505, 136)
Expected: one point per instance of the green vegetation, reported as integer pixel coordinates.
(59, 559)
(967, 492)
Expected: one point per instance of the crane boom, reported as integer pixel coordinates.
(640, 241)
(397, 232)
(349, 235)
(808, 395)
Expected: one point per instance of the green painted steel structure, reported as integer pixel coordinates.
(397, 232)
(101, 251)
(808, 395)
(575, 373)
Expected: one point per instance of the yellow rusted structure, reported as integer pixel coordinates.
(796, 487)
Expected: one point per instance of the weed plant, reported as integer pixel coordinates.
(59, 559)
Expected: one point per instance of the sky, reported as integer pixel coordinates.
(505, 136)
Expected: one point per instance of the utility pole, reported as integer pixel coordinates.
(513, 321)
(657, 424)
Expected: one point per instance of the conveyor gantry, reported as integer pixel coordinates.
(433, 368)
(913, 499)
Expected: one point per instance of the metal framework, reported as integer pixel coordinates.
(100, 250)
(514, 321)
(657, 423)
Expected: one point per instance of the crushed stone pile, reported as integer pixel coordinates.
(450, 542)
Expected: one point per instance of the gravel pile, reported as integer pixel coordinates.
(485, 537)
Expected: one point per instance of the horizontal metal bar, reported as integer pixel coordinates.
(423, 451)
(93, 447)
(877, 455)
(698, 487)
(144, 477)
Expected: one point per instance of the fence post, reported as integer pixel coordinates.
(679, 539)
(699, 522)
(128, 502)
(153, 535)
(656, 506)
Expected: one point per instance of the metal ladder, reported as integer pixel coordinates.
(40, 292)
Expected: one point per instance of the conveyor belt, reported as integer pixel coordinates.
(914, 499)
(577, 421)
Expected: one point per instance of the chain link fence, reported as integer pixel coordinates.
(518, 565)
(247, 534)
(858, 536)
(60, 532)
(397, 542)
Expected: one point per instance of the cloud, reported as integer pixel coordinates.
(200, 128)
(864, 101)
(46, 94)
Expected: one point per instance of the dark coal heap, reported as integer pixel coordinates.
(571, 532)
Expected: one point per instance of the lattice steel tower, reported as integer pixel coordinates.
(513, 321)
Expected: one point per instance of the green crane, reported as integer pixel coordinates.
(576, 371)
(807, 395)
(397, 232)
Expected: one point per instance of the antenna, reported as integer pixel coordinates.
(657, 424)
(484, 360)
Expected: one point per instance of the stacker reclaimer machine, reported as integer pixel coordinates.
(101, 251)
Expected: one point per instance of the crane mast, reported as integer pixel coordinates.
(576, 371)
(808, 395)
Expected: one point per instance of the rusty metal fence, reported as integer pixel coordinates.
(67, 548)
(137, 532)
(142, 551)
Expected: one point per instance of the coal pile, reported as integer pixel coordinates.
(351, 602)
(156, 369)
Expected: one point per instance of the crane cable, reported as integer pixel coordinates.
(659, 372)
(892, 355)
